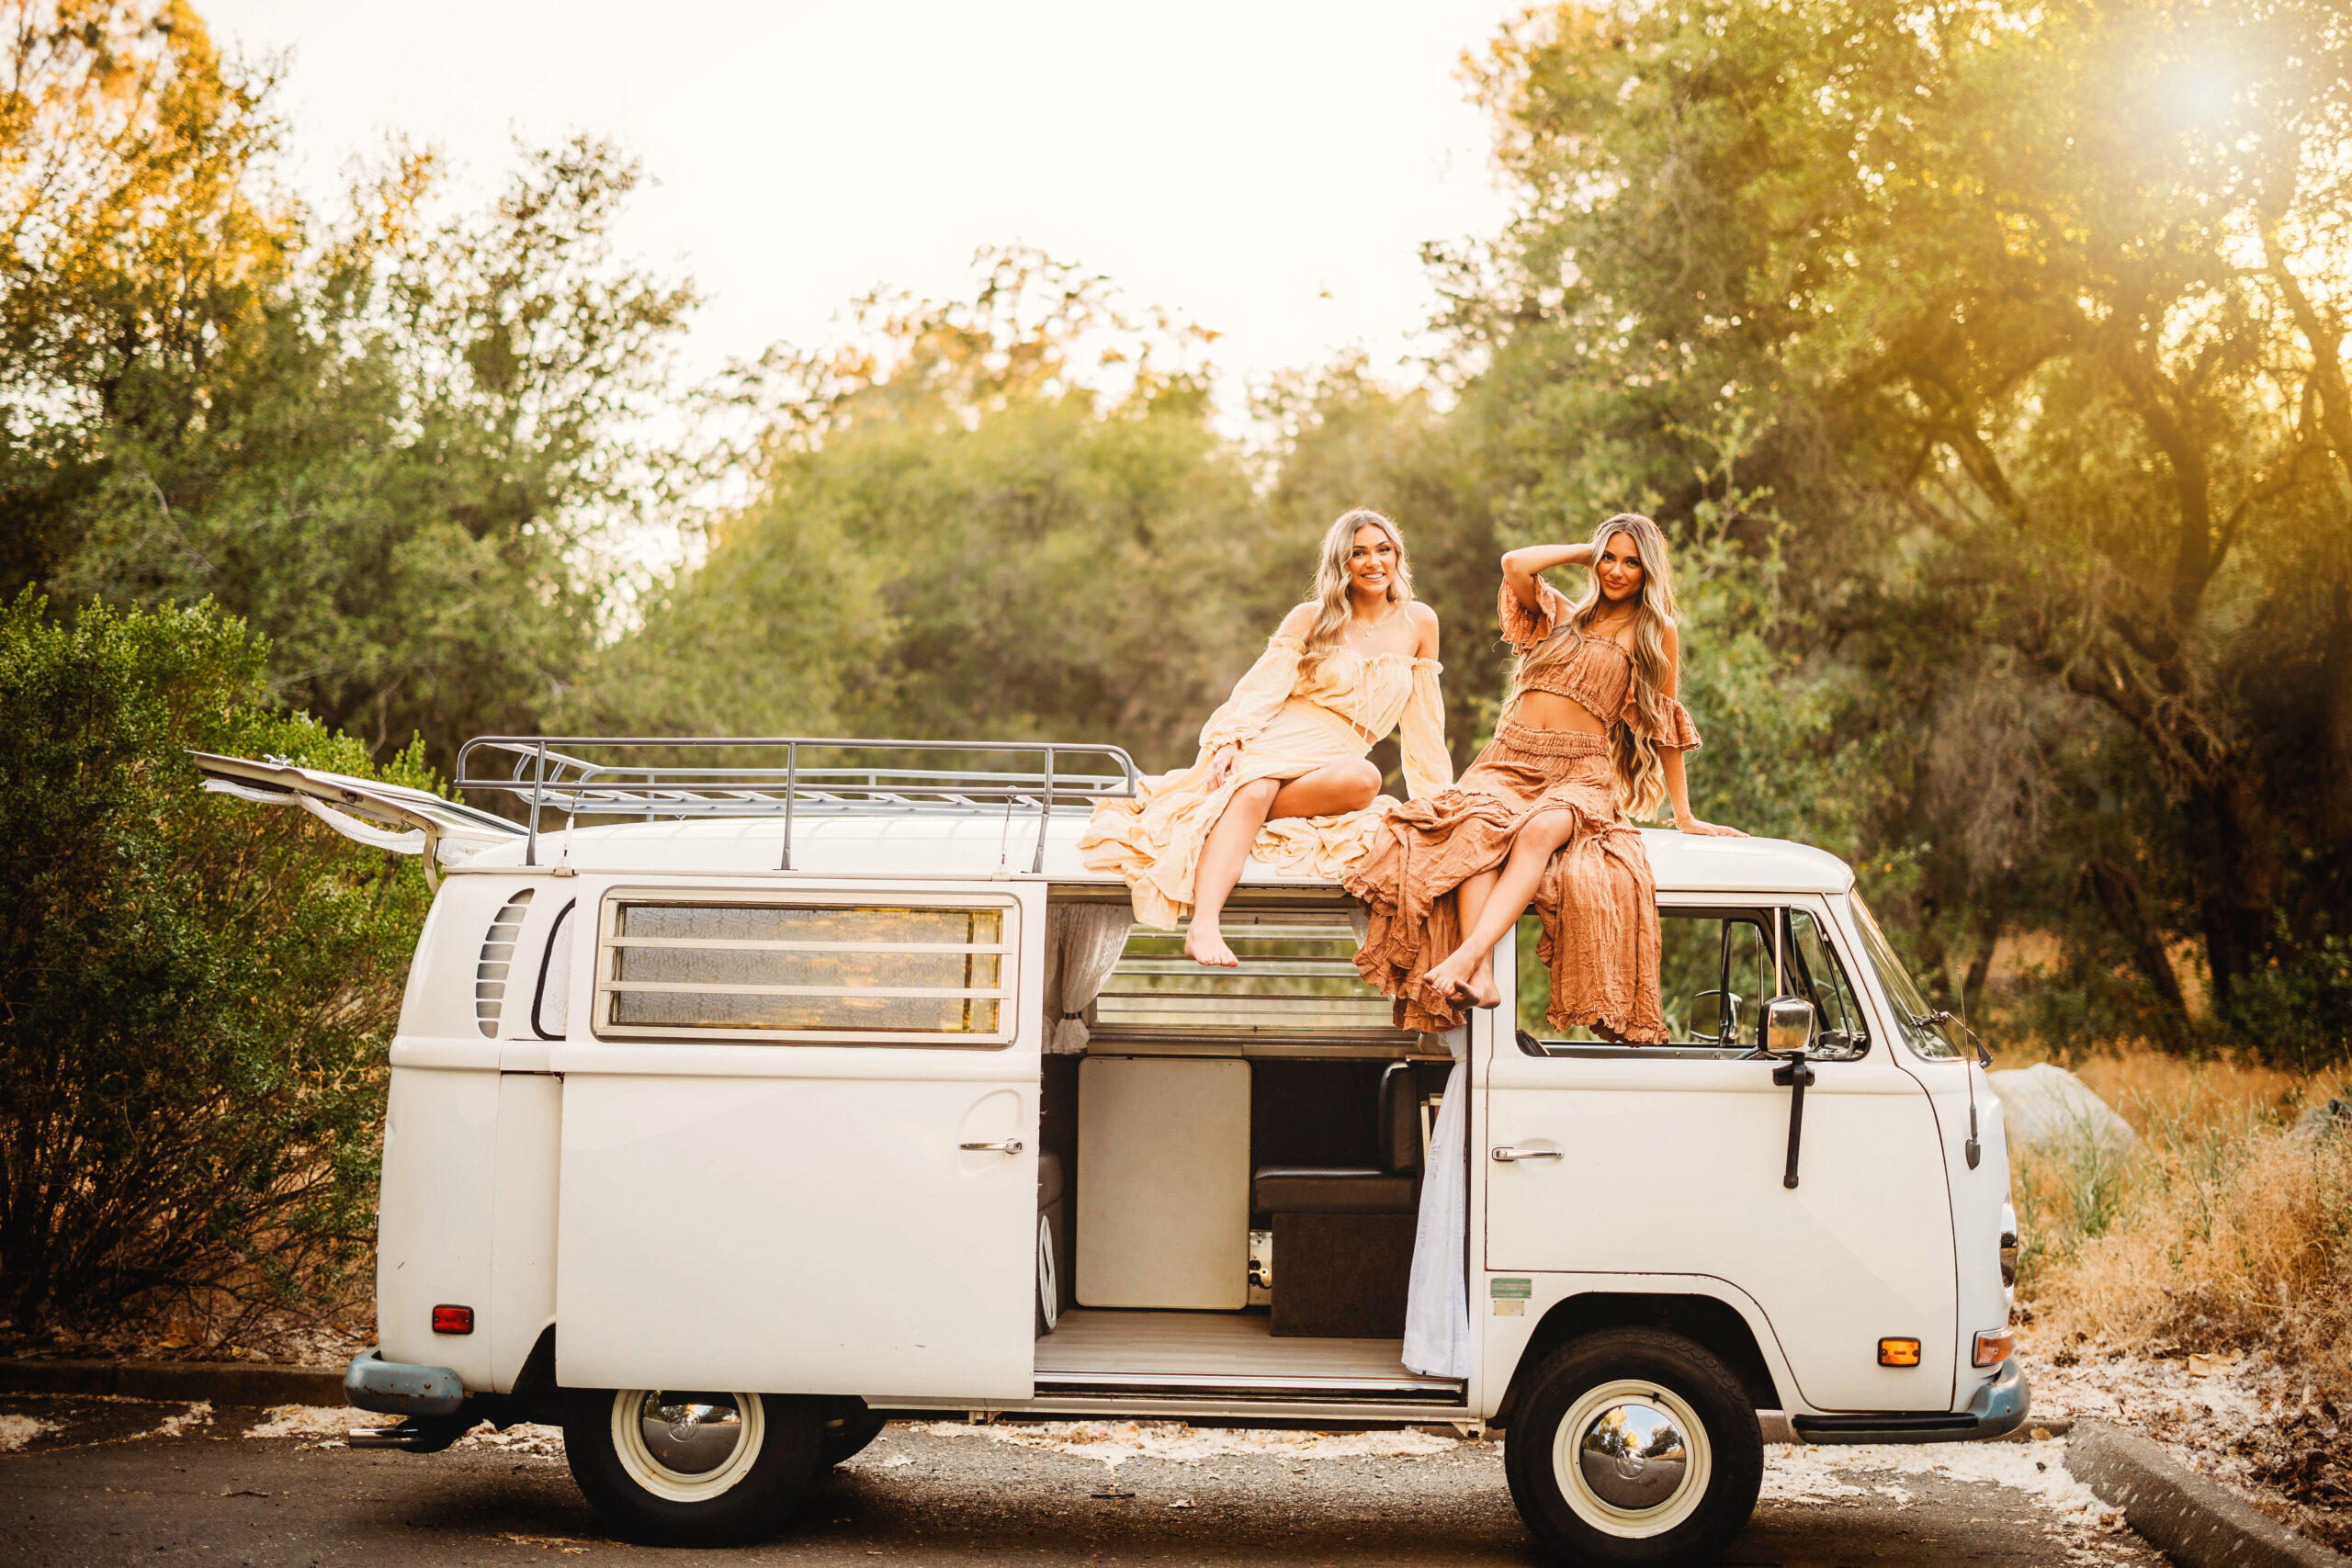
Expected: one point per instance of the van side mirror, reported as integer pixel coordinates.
(1789, 1026)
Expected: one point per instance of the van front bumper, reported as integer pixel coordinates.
(1999, 1408)
(395, 1388)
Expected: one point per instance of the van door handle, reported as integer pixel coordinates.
(1504, 1153)
(1009, 1146)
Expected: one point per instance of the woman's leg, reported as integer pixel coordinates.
(1334, 787)
(1468, 970)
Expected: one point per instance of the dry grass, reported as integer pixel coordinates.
(2224, 1230)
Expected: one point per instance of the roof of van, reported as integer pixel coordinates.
(919, 844)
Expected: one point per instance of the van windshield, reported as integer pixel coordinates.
(1922, 1025)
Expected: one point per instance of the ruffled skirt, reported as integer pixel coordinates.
(1153, 841)
(1597, 898)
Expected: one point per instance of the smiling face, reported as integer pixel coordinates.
(1372, 563)
(1619, 568)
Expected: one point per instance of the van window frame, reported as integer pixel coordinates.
(1007, 993)
(1775, 909)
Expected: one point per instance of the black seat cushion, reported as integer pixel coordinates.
(1328, 1190)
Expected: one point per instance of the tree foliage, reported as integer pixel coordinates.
(407, 444)
(195, 996)
(2007, 345)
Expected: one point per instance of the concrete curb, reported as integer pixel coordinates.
(223, 1382)
(2196, 1522)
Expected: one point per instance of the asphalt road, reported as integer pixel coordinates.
(103, 1485)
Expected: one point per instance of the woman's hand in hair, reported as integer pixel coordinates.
(1521, 568)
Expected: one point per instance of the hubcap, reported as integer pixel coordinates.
(1631, 1459)
(686, 1447)
(689, 1434)
(1634, 1456)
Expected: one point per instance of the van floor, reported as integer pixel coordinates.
(1099, 1347)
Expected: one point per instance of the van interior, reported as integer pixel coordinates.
(1230, 1175)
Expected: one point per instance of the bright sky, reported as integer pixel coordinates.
(1270, 169)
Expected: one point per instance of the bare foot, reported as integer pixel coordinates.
(1205, 944)
(1457, 977)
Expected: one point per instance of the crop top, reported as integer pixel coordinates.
(1373, 694)
(1597, 676)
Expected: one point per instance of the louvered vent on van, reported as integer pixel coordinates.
(497, 962)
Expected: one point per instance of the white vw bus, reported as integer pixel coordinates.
(738, 1106)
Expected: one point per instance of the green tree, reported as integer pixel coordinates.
(196, 996)
(411, 447)
(2007, 344)
(961, 535)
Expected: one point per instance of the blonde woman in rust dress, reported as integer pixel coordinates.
(1288, 749)
(1591, 735)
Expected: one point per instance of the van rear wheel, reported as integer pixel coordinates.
(1634, 1446)
(681, 1467)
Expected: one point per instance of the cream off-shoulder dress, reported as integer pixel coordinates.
(1290, 721)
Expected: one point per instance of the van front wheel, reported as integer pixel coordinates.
(1634, 1446)
(687, 1467)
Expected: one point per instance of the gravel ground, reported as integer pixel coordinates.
(106, 1481)
(2249, 1422)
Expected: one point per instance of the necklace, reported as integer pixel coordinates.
(1366, 630)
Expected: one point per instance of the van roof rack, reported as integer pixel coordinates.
(650, 777)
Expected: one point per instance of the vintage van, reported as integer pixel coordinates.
(736, 1107)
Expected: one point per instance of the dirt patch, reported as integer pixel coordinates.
(2254, 1423)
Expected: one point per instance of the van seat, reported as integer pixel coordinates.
(1387, 1189)
(1049, 1178)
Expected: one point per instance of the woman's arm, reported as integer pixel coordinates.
(1678, 780)
(1522, 569)
(1420, 730)
(1256, 697)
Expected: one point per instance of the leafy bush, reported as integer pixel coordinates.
(195, 994)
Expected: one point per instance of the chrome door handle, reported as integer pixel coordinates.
(1009, 1146)
(1504, 1153)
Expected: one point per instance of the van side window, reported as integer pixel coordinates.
(683, 968)
(551, 1008)
(1715, 975)
(1815, 975)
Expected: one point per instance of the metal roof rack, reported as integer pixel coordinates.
(549, 773)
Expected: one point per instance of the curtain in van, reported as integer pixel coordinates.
(1082, 946)
(1437, 1302)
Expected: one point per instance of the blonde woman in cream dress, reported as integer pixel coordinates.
(1288, 750)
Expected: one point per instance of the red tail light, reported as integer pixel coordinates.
(453, 1320)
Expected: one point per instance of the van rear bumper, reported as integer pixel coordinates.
(1999, 1408)
(395, 1388)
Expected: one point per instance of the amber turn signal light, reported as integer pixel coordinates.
(1898, 1352)
(453, 1320)
(1995, 1346)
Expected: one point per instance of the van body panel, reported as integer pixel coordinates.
(1674, 1166)
(434, 1236)
(522, 1221)
(1504, 1327)
(802, 1235)
(801, 1218)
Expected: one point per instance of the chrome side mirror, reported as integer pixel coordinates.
(1789, 1026)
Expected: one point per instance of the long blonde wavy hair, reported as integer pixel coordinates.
(1633, 753)
(1331, 580)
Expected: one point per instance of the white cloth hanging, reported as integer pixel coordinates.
(1082, 946)
(1437, 1302)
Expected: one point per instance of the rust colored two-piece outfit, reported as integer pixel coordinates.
(1596, 899)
